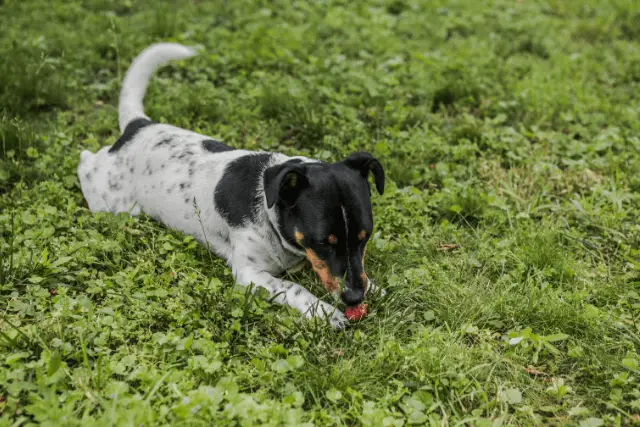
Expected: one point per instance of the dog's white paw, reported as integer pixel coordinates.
(338, 320)
(372, 287)
(326, 311)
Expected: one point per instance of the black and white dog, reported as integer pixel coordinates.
(262, 212)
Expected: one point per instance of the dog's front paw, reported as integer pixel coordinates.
(326, 311)
(338, 320)
(373, 288)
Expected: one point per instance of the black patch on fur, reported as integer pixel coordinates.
(88, 176)
(187, 200)
(129, 132)
(215, 146)
(251, 259)
(298, 291)
(236, 195)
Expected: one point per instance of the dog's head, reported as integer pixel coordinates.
(324, 209)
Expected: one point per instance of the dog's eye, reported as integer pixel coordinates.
(332, 239)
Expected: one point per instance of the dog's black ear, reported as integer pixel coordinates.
(284, 182)
(365, 163)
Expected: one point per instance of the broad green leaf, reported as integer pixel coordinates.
(513, 395)
(556, 337)
(61, 261)
(54, 363)
(333, 395)
(631, 363)
(591, 422)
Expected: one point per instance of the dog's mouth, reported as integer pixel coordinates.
(337, 286)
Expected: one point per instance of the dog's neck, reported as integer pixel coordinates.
(272, 219)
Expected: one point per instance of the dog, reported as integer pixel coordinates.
(262, 212)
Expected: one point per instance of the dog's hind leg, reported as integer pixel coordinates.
(292, 294)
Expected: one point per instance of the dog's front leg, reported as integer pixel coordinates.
(292, 294)
(373, 288)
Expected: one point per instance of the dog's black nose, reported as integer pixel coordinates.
(352, 297)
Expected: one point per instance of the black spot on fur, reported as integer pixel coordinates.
(114, 185)
(251, 259)
(131, 169)
(222, 236)
(298, 291)
(236, 195)
(129, 132)
(88, 176)
(163, 142)
(215, 146)
(187, 200)
(186, 153)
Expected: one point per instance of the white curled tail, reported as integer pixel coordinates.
(137, 78)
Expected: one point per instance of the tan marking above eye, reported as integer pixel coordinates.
(332, 239)
(299, 236)
(293, 180)
(362, 234)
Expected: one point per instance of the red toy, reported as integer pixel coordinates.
(357, 312)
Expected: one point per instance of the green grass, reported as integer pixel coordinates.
(507, 238)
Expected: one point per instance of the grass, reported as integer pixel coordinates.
(507, 238)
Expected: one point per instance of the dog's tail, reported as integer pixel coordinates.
(138, 75)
